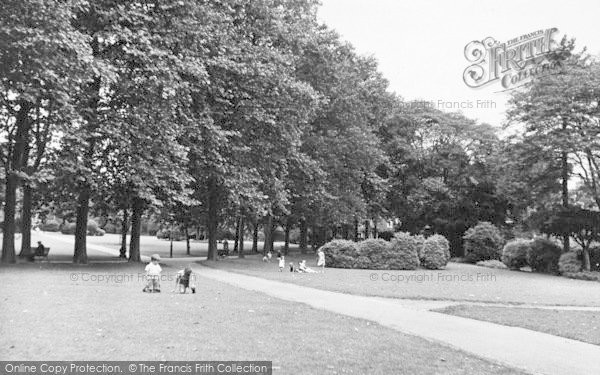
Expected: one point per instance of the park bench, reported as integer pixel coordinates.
(39, 255)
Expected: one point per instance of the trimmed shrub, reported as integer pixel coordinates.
(543, 256)
(515, 253)
(404, 252)
(584, 275)
(340, 253)
(419, 241)
(50, 226)
(483, 242)
(362, 262)
(569, 263)
(68, 228)
(378, 252)
(436, 252)
(386, 235)
(492, 264)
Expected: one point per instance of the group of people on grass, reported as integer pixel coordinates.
(185, 278)
(302, 267)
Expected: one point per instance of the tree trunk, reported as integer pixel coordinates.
(237, 235)
(313, 237)
(367, 229)
(241, 238)
(303, 236)
(10, 203)
(267, 230)
(586, 259)
(286, 246)
(136, 229)
(83, 206)
(345, 232)
(272, 239)
(255, 238)
(124, 230)
(26, 222)
(187, 242)
(212, 220)
(355, 229)
(375, 232)
(17, 161)
(565, 193)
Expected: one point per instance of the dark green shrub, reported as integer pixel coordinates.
(386, 235)
(515, 253)
(340, 253)
(403, 252)
(543, 256)
(436, 252)
(483, 242)
(50, 226)
(569, 263)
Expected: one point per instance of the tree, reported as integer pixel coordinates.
(580, 224)
(43, 59)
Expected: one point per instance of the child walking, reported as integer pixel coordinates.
(153, 271)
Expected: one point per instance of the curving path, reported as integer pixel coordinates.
(534, 352)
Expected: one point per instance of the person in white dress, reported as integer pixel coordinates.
(321, 260)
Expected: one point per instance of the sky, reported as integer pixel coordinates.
(420, 44)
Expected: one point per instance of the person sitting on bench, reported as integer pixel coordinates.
(39, 251)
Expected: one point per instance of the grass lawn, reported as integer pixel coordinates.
(577, 325)
(47, 313)
(459, 282)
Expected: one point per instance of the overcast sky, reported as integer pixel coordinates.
(420, 44)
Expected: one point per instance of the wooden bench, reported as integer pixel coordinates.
(38, 255)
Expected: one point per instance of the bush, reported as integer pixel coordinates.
(295, 236)
(399, 254)
(595, 258)
(491, 264)
(419, 241)
(68, 228)
(483, 242)
(386, 235)
(50, 226)
(404, 255)
(544, 255)
(436, 252)
(340, 253)
(112, 228)
(584, 275)
(92, 226)
(515, 253)
(377, 251)
(569, 263)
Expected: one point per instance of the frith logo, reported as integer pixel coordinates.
(512, 63)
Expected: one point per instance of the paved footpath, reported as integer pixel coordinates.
(534, 352)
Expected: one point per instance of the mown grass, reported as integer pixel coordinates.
(49, 314)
